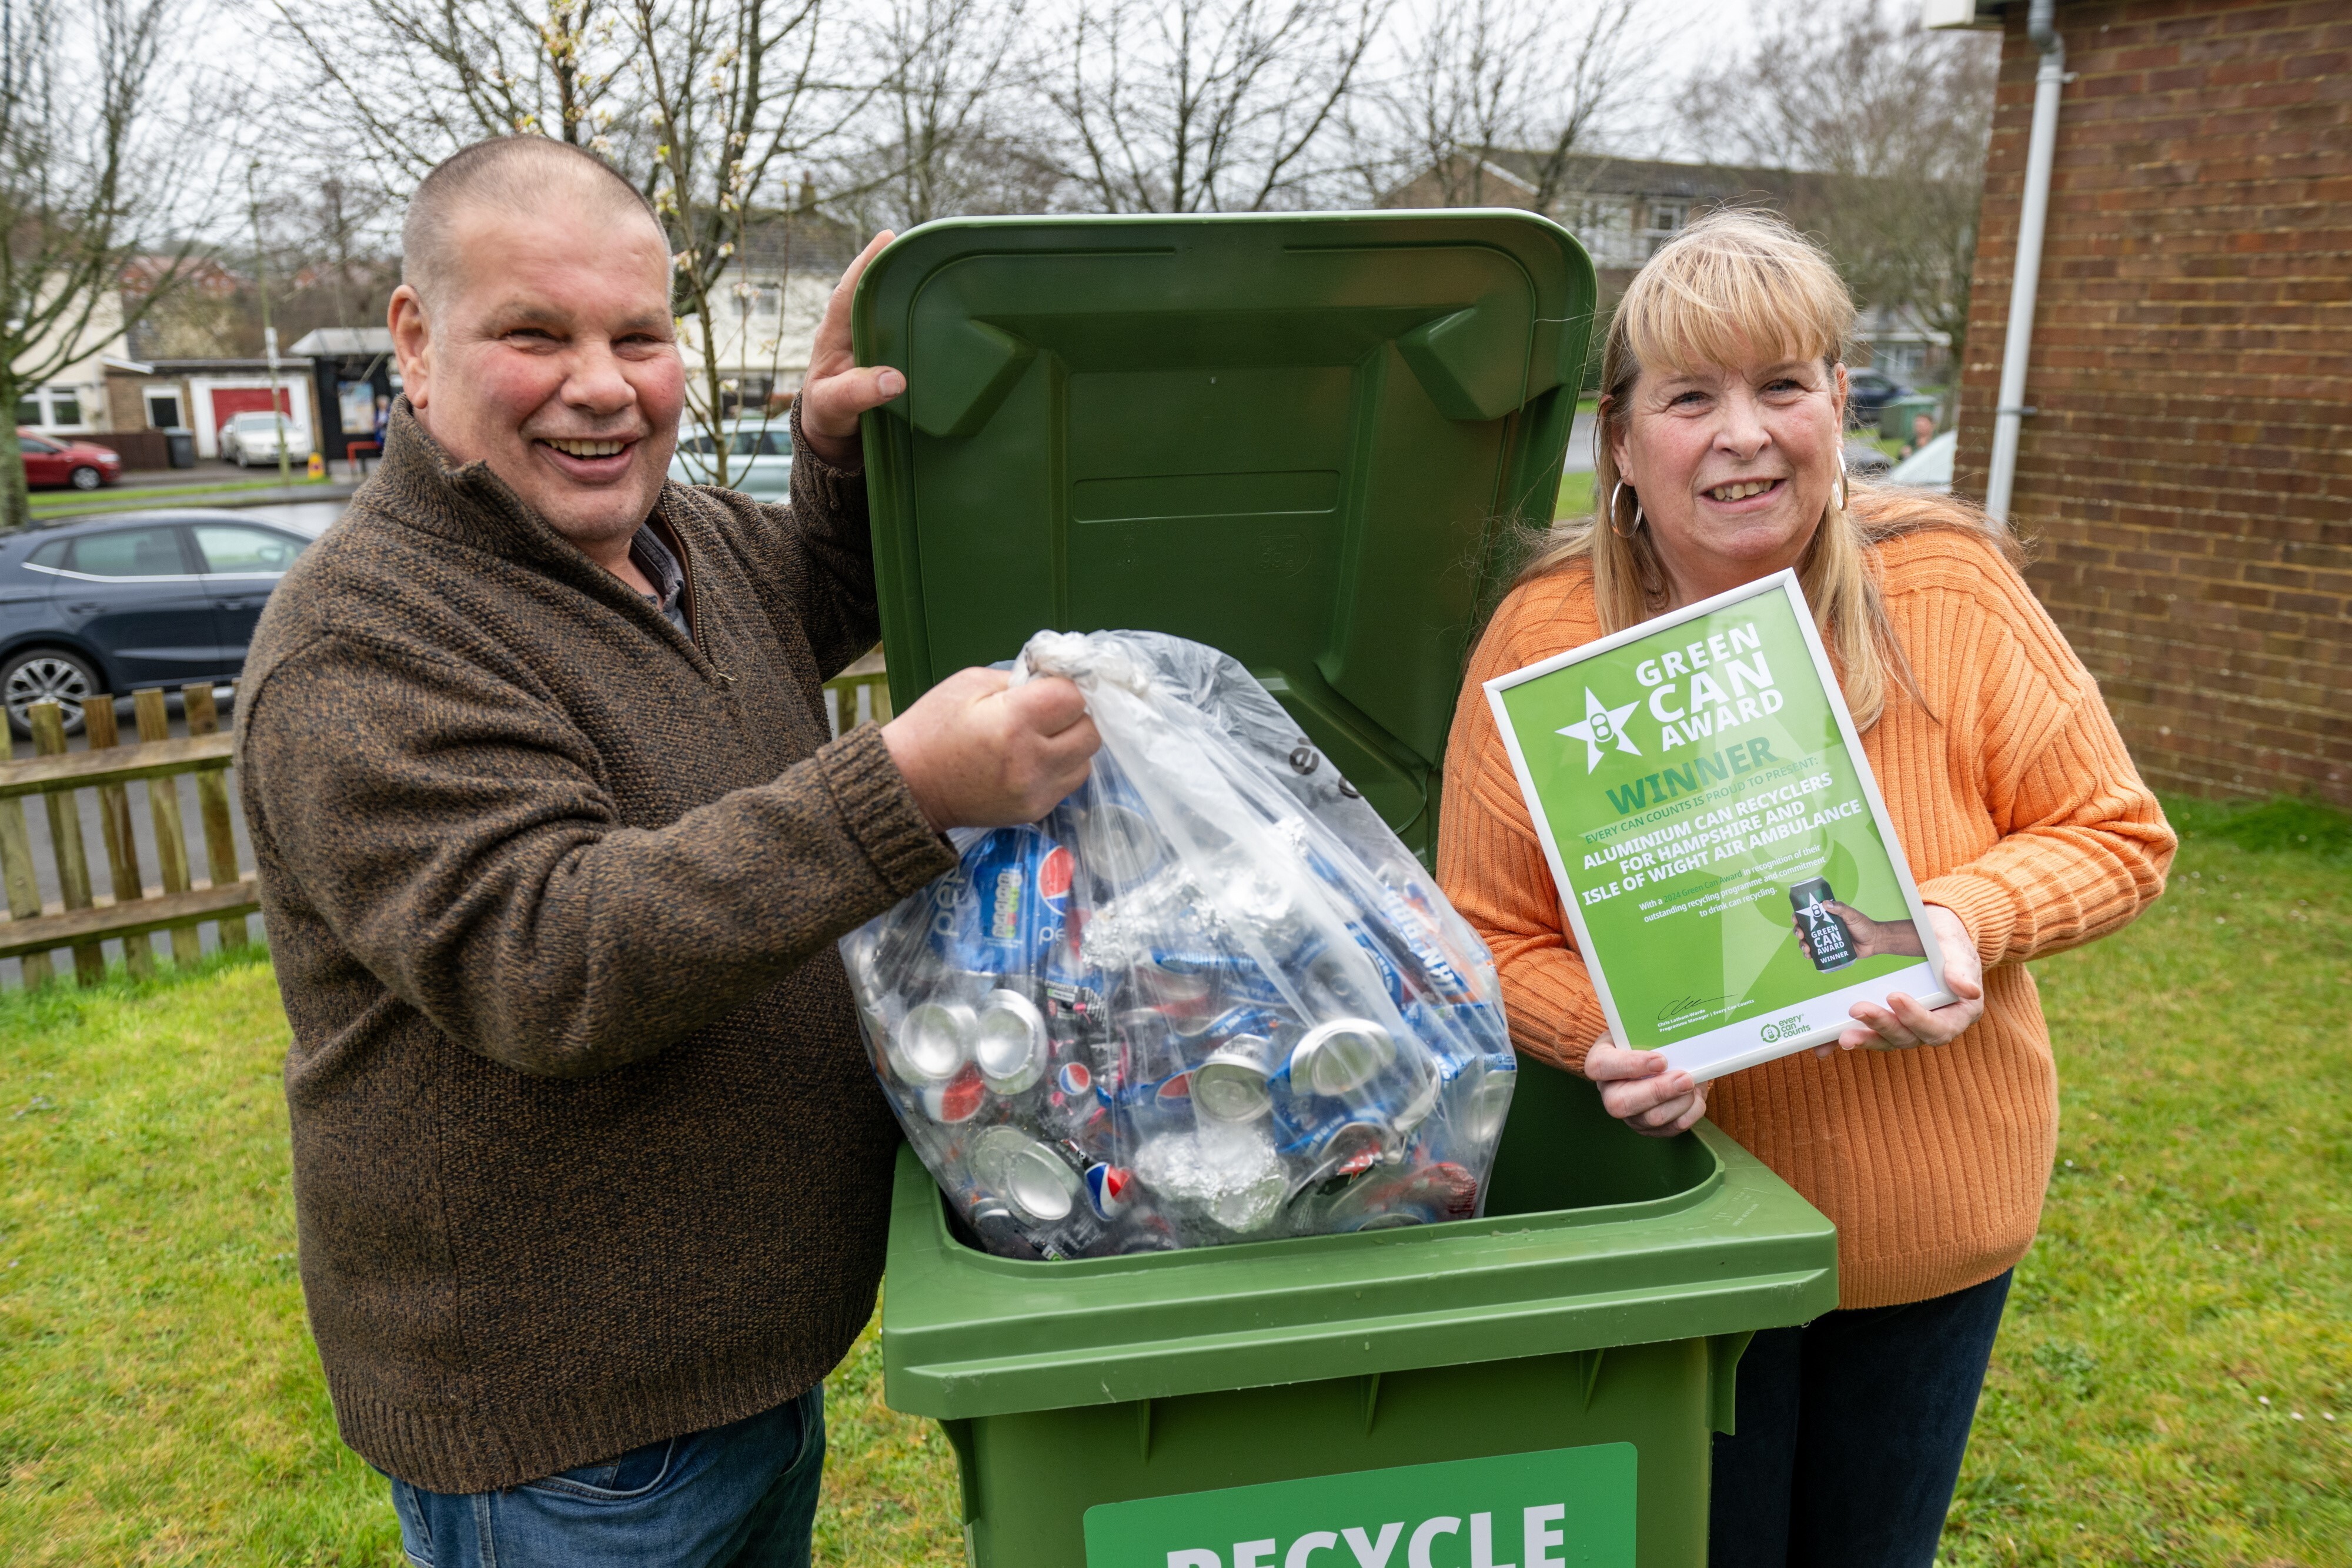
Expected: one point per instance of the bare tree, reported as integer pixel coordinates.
(735, 94)
(943, 136)
(706, 106)
(86, 173)
(1534, 79)
(1183, 106)
(1898, 117)
(410, 81)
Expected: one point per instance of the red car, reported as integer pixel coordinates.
(62, 460)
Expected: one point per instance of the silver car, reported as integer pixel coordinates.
(251, 438)
(759, 456)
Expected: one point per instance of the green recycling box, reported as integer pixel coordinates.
(1313, 441)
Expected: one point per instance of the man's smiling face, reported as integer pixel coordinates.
(551, 355)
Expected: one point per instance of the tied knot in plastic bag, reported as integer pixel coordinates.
(1210, 998)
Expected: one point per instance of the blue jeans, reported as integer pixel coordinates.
(738, 1496)
(1851, 1433)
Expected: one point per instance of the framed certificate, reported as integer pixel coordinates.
(1720, 846)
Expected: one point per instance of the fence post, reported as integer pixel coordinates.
(121, 845)
(212, 803)
(24, 883)
(64, 839)
(171, 840)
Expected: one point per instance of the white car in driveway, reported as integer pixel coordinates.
(759, 456)
(251, 438)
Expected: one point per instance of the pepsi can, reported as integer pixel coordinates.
(932, 1043)
(1430, 1194)
(1117, 843)
(999, 1231)
(1110, 1189)
(1075, 1014)
(1333, 1144)
(1036, 1179)
(1233, 1084)
(1477, 1093)
(1417, 926)
(1009, 1041)
(1005, 907)
(1159, 1104)
(1340, 1056)
(956, 1101)
(1355, 977)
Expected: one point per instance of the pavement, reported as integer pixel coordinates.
(1580, 443)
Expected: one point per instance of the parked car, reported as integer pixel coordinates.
(1930, 468)
(131, 600)
(1867, 391)
(251, 438)
(759, 456)
(62, 460)
(1863, 461)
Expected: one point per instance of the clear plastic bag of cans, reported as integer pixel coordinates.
(1211, 997)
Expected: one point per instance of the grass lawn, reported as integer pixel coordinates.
(142, 497)
(1575, 496)
(160, 1402)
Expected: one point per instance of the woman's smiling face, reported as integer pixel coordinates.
(1734, 465)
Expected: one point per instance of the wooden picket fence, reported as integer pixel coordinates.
(84, 916)
(859, 694)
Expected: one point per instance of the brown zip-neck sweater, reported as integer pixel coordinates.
(586, 1150)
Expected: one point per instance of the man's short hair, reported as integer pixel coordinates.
(505, 174)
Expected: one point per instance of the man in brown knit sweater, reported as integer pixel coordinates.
(589, 1168)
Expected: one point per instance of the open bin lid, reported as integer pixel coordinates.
(1302, 439)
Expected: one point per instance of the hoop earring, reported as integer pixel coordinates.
(1617, 494)
(1842, 484)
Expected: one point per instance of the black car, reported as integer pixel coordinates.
(139, 599)
(1867, 391)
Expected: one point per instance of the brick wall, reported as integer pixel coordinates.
(2189, 476)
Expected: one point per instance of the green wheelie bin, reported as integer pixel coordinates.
(1315, 442)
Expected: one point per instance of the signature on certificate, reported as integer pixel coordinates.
(1683, 1008)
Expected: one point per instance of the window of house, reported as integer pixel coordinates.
(162, 410)
(50, 407)
(1665, 217)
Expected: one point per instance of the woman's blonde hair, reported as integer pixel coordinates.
(1735, 286)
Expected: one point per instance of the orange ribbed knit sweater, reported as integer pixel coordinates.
(2019, 811)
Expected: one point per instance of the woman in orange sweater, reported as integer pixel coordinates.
(1926, 1134)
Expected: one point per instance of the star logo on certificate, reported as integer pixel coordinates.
(1603, 725)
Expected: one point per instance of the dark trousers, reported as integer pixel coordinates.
(1851, 1433)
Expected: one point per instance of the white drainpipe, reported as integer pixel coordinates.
(2010, 412)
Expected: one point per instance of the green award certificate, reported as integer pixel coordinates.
(1719, 845)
